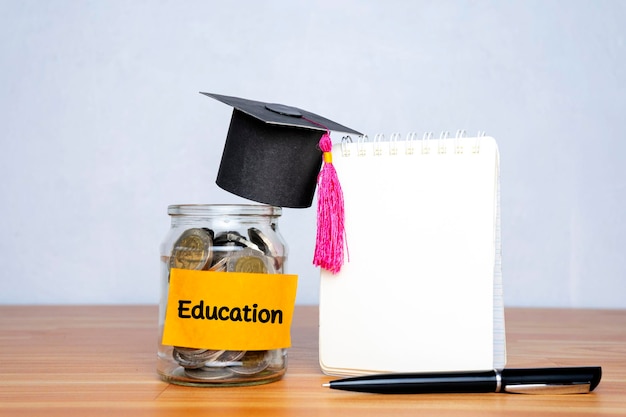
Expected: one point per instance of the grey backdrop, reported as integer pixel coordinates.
(102, 127)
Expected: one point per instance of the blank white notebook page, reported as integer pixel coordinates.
(417, 290)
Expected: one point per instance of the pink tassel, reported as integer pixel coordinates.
(330, 240)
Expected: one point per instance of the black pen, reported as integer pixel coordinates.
(574, 380)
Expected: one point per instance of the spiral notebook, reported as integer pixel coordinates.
(421, 289)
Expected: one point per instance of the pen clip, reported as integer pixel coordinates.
(548, 389)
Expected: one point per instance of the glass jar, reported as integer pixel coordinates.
(243, 239)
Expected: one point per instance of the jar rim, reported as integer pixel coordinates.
(223, 209)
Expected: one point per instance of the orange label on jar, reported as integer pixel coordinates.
(229, 310)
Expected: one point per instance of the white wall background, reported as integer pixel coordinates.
(102, 126)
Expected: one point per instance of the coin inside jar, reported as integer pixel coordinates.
(194, 358)
(253, 362)
(250, 261)
(228, 358)
(209, 373)
(185, 362)
(266, 245)
(192, 250)
(231, 355)
(234, 239)
(262, 242)
(219, 266)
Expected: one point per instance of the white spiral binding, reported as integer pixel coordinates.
(426, 144)
(393, 143)
(360, 145)
(426, 138)
(408, 143)
(442, 148)
(378, 147)
(476, 147)
(345, 149)
(458, 143)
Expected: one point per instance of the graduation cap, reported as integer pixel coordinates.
(273, 155)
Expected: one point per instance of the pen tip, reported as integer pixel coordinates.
(326, 385)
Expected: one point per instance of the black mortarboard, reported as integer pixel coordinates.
(271, 153)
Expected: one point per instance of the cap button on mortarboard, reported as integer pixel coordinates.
(282, 109)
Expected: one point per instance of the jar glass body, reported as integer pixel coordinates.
(215, 237)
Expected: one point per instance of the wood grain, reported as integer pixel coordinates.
(100, 360)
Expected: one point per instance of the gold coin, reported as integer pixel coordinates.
(192, 250)
(253, 362)
(251, 264)
(249, 260)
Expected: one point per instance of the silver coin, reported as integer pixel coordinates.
(210, 232)
(231, 355)
(228, 358)
(206, 356)
(253, 362)
(220, 364)
(221, 255)
(226, 244)
(185, 362)
(235, 238)
(266, 245)
(219, 266)
(263, 242)
(188, 350)
(224, 237)
(209, 373)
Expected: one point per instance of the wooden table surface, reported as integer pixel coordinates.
(100, 361)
